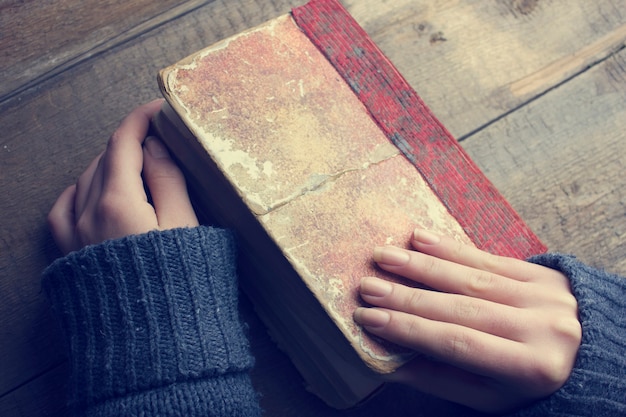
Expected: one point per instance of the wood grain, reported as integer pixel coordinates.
(469, 59)
(43, 38)
(555, 147)
(50, 133)
(560, 160)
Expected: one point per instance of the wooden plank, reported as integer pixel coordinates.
(42, 38)
(472, 61)
(44, 396)
(560, 161)
(49, 135)
(51, 131)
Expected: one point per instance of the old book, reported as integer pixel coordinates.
(300, 135)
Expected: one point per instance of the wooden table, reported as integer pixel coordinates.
(534, 90)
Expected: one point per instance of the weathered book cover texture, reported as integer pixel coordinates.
(280, 145)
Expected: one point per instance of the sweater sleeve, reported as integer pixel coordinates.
(596, 386)
(152, 326)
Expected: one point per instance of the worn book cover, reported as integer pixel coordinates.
(302, 137)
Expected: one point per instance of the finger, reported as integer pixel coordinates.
(451, 277)
(85, 184)
(444, 247)
(167, 187)
(485, 316)
(123, 159)
(465, 348)
(61, 220)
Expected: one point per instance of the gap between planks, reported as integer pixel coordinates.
(559, 72)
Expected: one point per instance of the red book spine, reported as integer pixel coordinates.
(487, 218)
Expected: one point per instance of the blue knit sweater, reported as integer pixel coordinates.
(153, 326)
(153, 330)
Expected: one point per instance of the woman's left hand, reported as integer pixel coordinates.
(494, 333)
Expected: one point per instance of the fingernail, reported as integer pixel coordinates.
(425, 237)
(375, 287)
(391, 255)
(371, 318)
(155, 148)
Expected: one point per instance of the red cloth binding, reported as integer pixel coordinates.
(487, 218)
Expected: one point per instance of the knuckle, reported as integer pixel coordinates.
(569, 302)
(479, 282)
(430, 265)
(110, 207)
(84, 230)
(53, 219)
(466, 309)
(413, 300)
(491, 262)
(406, 330)
(457, 346)
(412, 332)
(168, 171)
(164, 170)
(568, 329)
(83, 225)
(115, 139)
(551, 371)
(552, 365)
(458, 249)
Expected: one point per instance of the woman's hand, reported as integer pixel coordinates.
(109, 200)
(494, 333)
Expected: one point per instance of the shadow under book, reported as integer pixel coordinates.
(302, 137)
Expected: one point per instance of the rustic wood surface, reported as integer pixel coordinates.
(534, 90)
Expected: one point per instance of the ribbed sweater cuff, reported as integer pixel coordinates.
(597, 385)
(148, 311)
(228, 395)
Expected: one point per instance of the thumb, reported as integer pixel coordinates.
(167, 186)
